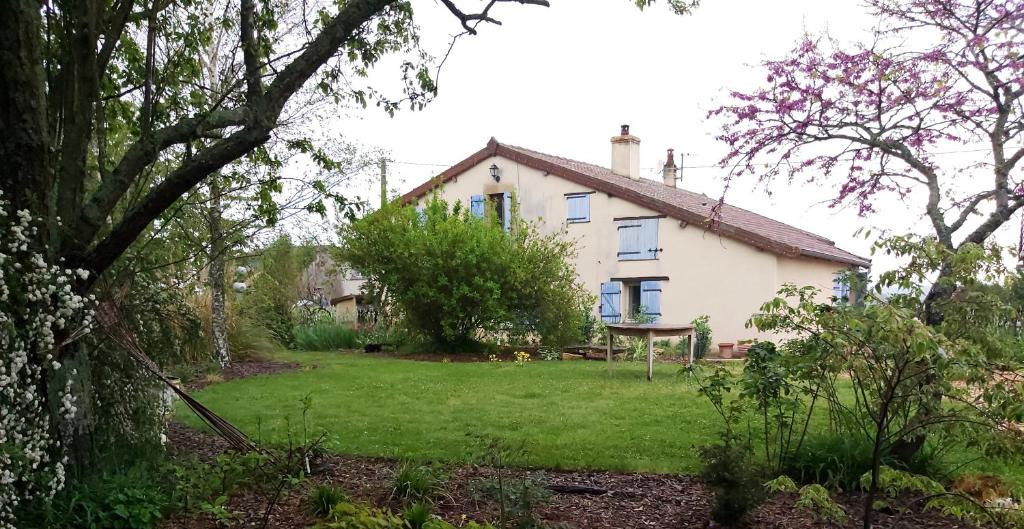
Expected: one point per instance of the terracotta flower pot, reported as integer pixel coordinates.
(725, 349)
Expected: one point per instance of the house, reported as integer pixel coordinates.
(327, 283)
(644, 244)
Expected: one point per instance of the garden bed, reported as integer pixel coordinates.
(242, 369)
(634, 500)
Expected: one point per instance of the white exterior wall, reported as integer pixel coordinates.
(706, 274)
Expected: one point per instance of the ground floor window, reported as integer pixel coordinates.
(631, 300)
(634, 300)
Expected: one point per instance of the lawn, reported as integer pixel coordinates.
(569, 414)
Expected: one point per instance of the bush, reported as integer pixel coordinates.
(382, 334)
(324, 498)
(470, 278)
(730, 470)
(132, 499)
(325, 337)
(197, 483)
(347, 515)
(517, 498)
(417, 515)
(701, 337)
(418, 483)
(273, 290)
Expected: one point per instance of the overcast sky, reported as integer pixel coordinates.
(562, 79)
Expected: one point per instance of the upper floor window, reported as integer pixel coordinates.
(638, 239)
(578, 205)
(500, 203)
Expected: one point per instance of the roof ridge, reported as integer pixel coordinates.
(677, 189)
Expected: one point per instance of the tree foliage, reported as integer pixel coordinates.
(455, 278)
(115, 111)
(273, 291)
(939, 73)
(873, 118)
(901, 369)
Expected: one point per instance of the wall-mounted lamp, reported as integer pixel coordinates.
(494, 172)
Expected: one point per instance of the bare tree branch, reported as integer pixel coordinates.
(483, 15)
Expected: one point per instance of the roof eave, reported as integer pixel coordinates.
(853, 260)
(489, 150)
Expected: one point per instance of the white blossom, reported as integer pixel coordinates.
(37, 304)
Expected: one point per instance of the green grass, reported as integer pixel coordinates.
(571, 414)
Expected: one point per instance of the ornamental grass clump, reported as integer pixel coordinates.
(39, 313)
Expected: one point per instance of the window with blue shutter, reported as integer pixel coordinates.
(611, 296)
(638, 239)
(476, 205)
(421, 214)
(629, 240)
(579, 208)
(650, 299)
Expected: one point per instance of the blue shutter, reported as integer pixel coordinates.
(629, 240)
(611, 293)
(579, 208)
(650, 298)
(506, 209)
(421, 214)
(476, 205)
(649, 238)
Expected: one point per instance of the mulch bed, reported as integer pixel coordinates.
(247, 368)
(654, 501)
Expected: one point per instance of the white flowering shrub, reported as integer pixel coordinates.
(39, 312)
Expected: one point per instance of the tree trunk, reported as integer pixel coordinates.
(24, 145)
(218, 310)
(906, 449)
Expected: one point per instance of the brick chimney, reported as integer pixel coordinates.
(669, 172)
(626, 154)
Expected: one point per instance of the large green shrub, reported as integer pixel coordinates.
(454, 278)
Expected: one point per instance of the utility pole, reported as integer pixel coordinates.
(383, 182)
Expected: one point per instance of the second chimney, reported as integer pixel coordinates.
(669, 172)
(626, 154)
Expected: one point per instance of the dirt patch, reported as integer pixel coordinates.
(243, 369)
(650, 501)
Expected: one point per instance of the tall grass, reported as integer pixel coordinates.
(246, 339)
(249, 341)
(325, 337)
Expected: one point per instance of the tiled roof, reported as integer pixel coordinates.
(694, 208)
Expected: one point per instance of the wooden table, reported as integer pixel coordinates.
(650, 331)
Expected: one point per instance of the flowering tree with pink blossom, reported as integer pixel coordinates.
(939, 74)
